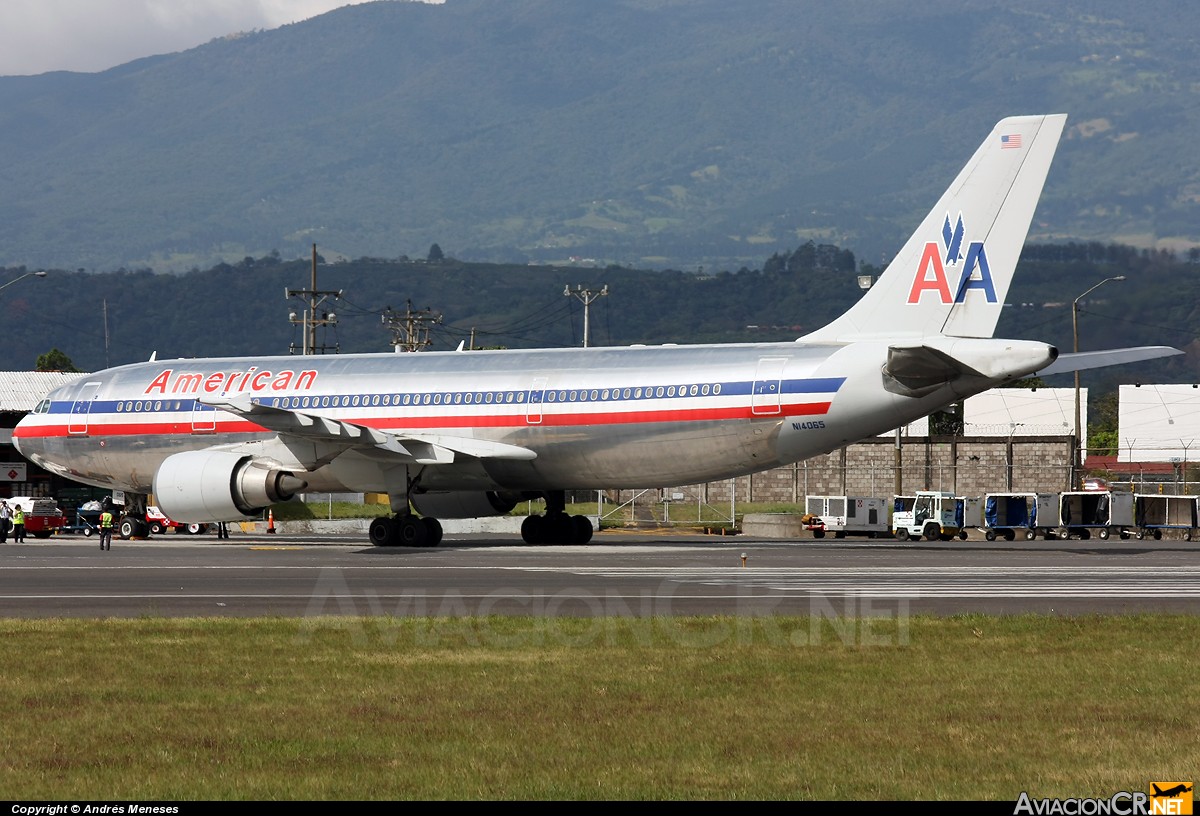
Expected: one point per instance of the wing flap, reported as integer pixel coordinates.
(423, 449)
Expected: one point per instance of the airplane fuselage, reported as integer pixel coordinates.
(593, 418)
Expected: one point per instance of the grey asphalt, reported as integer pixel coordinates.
(620, 573)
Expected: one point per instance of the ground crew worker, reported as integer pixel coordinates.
(106, 529)
(18, 519)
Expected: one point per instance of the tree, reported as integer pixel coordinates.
(54, 360)
(435, 253)
(948, 422)
(1103, 424)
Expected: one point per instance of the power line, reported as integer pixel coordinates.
(410, 331)
(308, 319)
(586, 296)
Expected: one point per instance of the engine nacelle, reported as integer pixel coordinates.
(201, 486)
(463, 504)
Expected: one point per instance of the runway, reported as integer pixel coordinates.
(617, 574)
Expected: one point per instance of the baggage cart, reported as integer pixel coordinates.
(1084, 513)
(1010, 516)
(1155, 512)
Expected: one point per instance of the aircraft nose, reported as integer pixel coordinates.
(17, 439)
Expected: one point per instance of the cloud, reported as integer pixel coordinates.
(93, 35)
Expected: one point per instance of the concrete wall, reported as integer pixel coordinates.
(969, 466)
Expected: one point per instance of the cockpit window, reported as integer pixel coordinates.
(43, 407)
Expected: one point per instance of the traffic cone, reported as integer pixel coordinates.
(270, 521)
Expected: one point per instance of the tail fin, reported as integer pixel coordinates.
(952, 275)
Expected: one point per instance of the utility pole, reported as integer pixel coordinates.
(586, 296)
(410, 331)
(313, 298)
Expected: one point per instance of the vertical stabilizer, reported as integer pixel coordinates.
(953, 274)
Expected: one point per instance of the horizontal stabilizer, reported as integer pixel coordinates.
(1110, 357)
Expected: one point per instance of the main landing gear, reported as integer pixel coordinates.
(405, 531)
(554, 527)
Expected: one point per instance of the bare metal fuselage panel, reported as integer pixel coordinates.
(609, 417)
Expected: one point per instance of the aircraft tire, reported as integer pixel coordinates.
(382, 532)
(583, 529)
(433, 530)
(533, 530)
(561, 529)
(412, 532)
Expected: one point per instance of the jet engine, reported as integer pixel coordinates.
(219, 486)
(463, 504)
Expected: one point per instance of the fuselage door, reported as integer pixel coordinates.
(768, 378)
(81, 408)
(204, 418)
(533, 405)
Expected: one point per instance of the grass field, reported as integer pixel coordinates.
(957, 708)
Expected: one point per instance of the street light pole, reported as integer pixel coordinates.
(1077, 453)
(41, 273)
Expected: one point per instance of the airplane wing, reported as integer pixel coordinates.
(1099, 359)
(418, 448)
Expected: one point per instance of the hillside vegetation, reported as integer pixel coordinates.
(240, 309)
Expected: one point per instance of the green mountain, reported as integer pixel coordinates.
(685, 133)
(111, 318)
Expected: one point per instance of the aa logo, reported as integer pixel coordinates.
(940, 261)
(1171, 798)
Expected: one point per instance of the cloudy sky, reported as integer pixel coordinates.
(91, 35)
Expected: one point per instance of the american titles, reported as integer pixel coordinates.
(220, 382)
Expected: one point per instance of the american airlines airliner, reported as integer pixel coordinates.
(463, 434)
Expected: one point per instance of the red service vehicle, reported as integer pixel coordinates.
(43, 516)
(159, 523)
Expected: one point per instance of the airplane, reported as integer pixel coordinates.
(465, 434)
(1170, 792)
